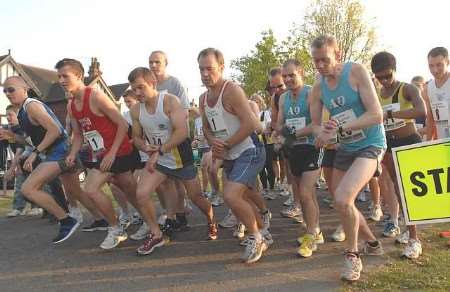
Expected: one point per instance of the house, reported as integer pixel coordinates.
(44, 84)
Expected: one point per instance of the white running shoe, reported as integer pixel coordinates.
(229, 220)
(376, 213)
(289, 201)
(403, 238)
(115, 236)
(266, 219)
(14, 213)
(352, 267)
(239, 231)
(291, 212)
(339, 234)
(162, 219)
(75, 212)
(413, 249)
(141, 233)
(217, 200)
(124, 220)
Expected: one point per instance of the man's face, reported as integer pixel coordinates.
(386, 77)
(291, 76)
(142, 88)
(15, 91)
(157, 63)
(210, 70)
(129, 101)
(325, 59)
(438, 66)
(11, 117)
(68, 78)
(276, 85)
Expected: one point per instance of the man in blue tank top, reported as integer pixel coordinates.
(294, 124)
(49, 139)
(347, 92)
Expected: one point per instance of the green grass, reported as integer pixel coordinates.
(431, 272)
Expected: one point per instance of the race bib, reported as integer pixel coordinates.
(439, 108)
(95, 140)
(393, 123)
(218, 126)
(348, 136)
(295, 124)
(159, 137)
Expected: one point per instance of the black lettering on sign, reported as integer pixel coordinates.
(436, 173)
(421, 189)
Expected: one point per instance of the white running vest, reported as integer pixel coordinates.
(157, 130)
(440, 105)
(224, 125)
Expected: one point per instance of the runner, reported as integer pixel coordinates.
(228, 123)
(294, 124)
(96, 120)
(356, 117)
(50, 142)
(437, 96)
(402, 103)
(161, 119)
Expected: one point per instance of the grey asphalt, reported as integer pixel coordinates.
(29, 262)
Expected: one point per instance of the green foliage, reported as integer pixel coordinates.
(342, 18)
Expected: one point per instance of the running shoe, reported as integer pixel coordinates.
(239, 231)
(307, 246)
(253, 250)
(318, 238)
(376, 250)
(229, 220)
(266, 219)
(376, 213)
(413, 249)
(289, 201)
(141, 233)
(352, 267)
(403, 238)
(115, 236)
(391, 230)
(291, 212)
(66, 230)
(124, 221)
(14, 213)
(212, 231)
(150, 244)
(339, 234)
(97, 225)
(39, 211)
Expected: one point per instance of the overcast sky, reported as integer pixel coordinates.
(121, 34)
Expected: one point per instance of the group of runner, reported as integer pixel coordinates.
(344, 124)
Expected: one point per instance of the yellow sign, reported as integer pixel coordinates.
(423, 175)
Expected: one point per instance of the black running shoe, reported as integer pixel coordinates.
(97, 225)
(66, 229)
(181, 224)
(169, 228)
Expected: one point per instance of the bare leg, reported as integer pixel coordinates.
(194, 193)
(234, 197)
(306, 193)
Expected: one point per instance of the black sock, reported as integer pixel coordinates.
(181, 217)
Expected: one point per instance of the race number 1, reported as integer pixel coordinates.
(95, 140)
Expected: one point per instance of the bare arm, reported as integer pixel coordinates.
(238, 102)
(77, 137)
(273, 113)
(39, 115)
(430, 124)
(109, 109)
(207, 132)
(136, 129)
(419, 110)
(316, 108)
(280, 116)
(177, 116)
(373, 114)
(255, 109)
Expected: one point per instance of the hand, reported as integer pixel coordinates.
(194, 143)
(151, 162)
(150, 149)
(218, 148)
(325, 135)
(6, 134)
(28, 165)
(107, 161)
(70, 160)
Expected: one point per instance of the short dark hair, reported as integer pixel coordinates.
(383, 61)
(418, 79)
(141, 72)
(129, 92)
(275, 71)
(212, 51)
(74, 64)
(294, 62)
(438, 51)
(11, 107)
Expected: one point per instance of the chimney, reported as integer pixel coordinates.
(94, 69)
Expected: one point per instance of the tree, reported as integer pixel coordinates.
(252, 70)
(343, 19)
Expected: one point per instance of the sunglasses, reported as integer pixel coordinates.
(9, 90)
(276, 87)
(384, 77)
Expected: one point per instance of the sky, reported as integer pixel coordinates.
(121, 34)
